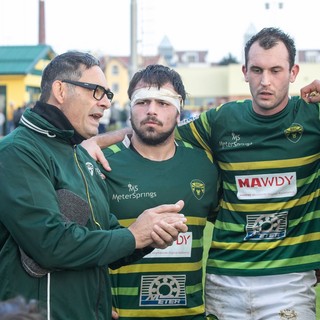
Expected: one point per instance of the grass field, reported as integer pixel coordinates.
(207, 239)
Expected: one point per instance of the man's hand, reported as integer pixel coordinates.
(95, 152)
(311, 92)
(101, 141)
(164, 234)
(159, 226)
(115, 315)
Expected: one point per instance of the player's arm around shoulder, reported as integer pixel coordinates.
(311, 92)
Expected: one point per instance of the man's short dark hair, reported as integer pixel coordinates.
(157, 75)
(268, 38)
(69, 65)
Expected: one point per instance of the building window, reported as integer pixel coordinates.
(115, 87)
(191, 57)
(115, 69)
(312, 56)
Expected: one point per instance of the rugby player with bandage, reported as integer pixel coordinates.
(149, 167)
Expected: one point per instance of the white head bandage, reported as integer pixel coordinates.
(158, 94)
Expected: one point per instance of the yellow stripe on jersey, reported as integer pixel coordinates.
(134, 291)
(127, 291)
(255, 245)
(114, 148)
(191, 221)
(223, 225)
(261, 207)
(264, 264)
(270, 164)
(159, 267)
(199, 138)
(159, 314)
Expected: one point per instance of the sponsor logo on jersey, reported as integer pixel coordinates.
(198, 188)
(92, 169)
(233, 142)
(188, 120)
(163, 290)
(266, 186)
(133, 193)
(266, 226)
(181, 248)
(294, 132)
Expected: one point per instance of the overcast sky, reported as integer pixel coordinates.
(104, 25)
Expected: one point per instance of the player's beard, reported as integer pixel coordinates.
(150, 136)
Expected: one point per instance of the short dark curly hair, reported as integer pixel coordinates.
(158, 75)
(267, 39)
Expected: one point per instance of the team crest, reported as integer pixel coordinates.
(294, 132)
(90, 167)
(198, 188)
(288, 314)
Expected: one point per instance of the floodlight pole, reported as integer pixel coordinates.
(42, 24)
(133, 39)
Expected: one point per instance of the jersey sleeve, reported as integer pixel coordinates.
(197, 132)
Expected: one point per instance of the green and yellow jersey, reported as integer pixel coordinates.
(166, 284)
(269, 222)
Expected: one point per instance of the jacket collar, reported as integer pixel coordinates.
(55, 124)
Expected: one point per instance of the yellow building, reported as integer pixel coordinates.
(20, 75)
(219, 84)
(206, 85)
(117, 75)
(117, 71)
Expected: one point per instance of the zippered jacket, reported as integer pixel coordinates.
(57, 236)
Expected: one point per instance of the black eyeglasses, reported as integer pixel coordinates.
(98, 91)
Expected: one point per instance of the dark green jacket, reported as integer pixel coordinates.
(44, 177)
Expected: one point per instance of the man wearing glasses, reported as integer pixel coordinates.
(57, 235)
(98, 91)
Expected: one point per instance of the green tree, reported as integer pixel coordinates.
(228, 60)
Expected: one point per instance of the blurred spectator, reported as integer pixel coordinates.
(118, 118)
(2, 121)
(9, 116)
(104, 121)
(185, 114)
(123, 117)
(113, 117)
(17, 115)
(19, 309)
